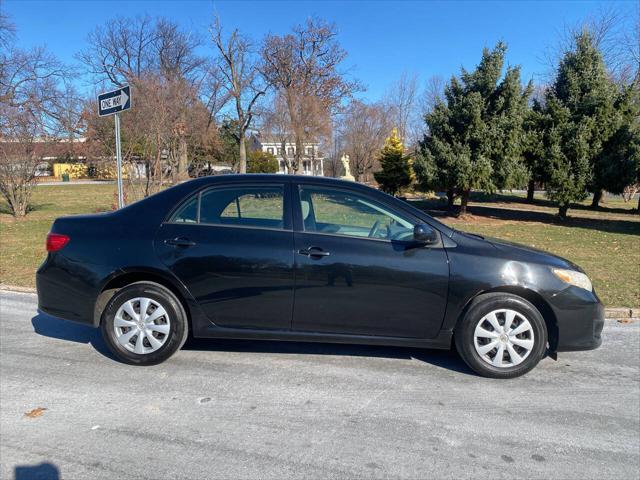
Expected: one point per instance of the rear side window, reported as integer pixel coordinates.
(241, 206)
(188, 213)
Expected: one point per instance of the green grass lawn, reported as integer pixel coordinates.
(606, 242)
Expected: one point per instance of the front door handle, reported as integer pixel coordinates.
(180, 242)
(314, 252)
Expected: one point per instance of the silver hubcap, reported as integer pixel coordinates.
(141, 325)
(504, 338)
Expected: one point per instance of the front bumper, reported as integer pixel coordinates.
(580, 319)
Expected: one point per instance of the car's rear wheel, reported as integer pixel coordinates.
(144, 324)
(501, 336)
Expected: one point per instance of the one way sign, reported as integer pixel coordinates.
(115, 101)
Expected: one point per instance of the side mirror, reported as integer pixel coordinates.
(424, 234)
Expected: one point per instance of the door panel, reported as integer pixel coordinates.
(372, 278)
(233, 250)
(369, 287)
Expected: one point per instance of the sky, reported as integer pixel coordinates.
(382, 38)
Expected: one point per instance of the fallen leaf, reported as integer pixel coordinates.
(35, 413)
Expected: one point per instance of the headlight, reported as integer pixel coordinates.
(577, 279)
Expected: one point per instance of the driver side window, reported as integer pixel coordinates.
(338, 212)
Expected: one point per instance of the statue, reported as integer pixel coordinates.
(347, 169)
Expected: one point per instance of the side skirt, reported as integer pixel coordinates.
(442, 341)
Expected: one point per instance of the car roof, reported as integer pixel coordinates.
(276, 178)
(273, 177)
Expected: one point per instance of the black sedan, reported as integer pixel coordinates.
(310, 259)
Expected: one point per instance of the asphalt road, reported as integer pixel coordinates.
(231, 409)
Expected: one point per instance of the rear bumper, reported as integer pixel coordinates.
(63, 295)
(580, 318)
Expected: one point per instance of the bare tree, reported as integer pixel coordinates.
(630, 43)
(145, 51)
(180, 67)
(32, 84)
(303, 66)
(7, 30)
(364, 132)
(214, 94)
(238, 67)
(277, 125)
(121, 51)
(432, 95)
(18, 158)
(334, 148)
(402, 97)
(614, 33)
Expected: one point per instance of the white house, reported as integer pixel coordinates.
(312, 161)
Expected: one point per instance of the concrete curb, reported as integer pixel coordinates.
(16, 289)
(622, 313)
(610, 313)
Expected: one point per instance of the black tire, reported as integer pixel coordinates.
(178, 325)
(485, 304)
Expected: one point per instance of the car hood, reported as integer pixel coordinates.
(530, 254)
(518, 252)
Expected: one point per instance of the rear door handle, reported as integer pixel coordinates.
(314, 252)
(180, 242)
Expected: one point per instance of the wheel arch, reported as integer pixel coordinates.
(123, 278)
(533, 297)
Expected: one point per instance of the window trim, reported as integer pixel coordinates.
(299, 223)
(287, 219)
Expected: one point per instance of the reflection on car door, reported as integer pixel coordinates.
(232, 247)
(356, 271)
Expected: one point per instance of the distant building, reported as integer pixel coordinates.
(312, 160)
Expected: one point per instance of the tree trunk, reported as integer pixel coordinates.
(531, 189)
(563, 211)
(285, 159)
(298, 155)
(597, 196)
(464, 202)
(638, 204)
(451, 197)
(183, 159)
(242, 167)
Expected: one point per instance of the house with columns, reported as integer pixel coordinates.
(312, 160)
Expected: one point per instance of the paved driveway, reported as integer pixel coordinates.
(231, 409)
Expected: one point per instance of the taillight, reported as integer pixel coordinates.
(56, 241)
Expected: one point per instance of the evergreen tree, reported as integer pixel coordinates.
(396, 173)
(227, 151)
(582, 112)
(475, 136)
(534, 154)
(617, 165)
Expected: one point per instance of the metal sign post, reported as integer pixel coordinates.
(112, 103)
(119, 161)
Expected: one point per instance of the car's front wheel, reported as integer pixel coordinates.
(501, 336)
(144, 324)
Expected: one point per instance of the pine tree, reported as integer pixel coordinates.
(475, 136)
(396, 173)
(534, 154)
(566, 144)
(581, 108)
(617, 165)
